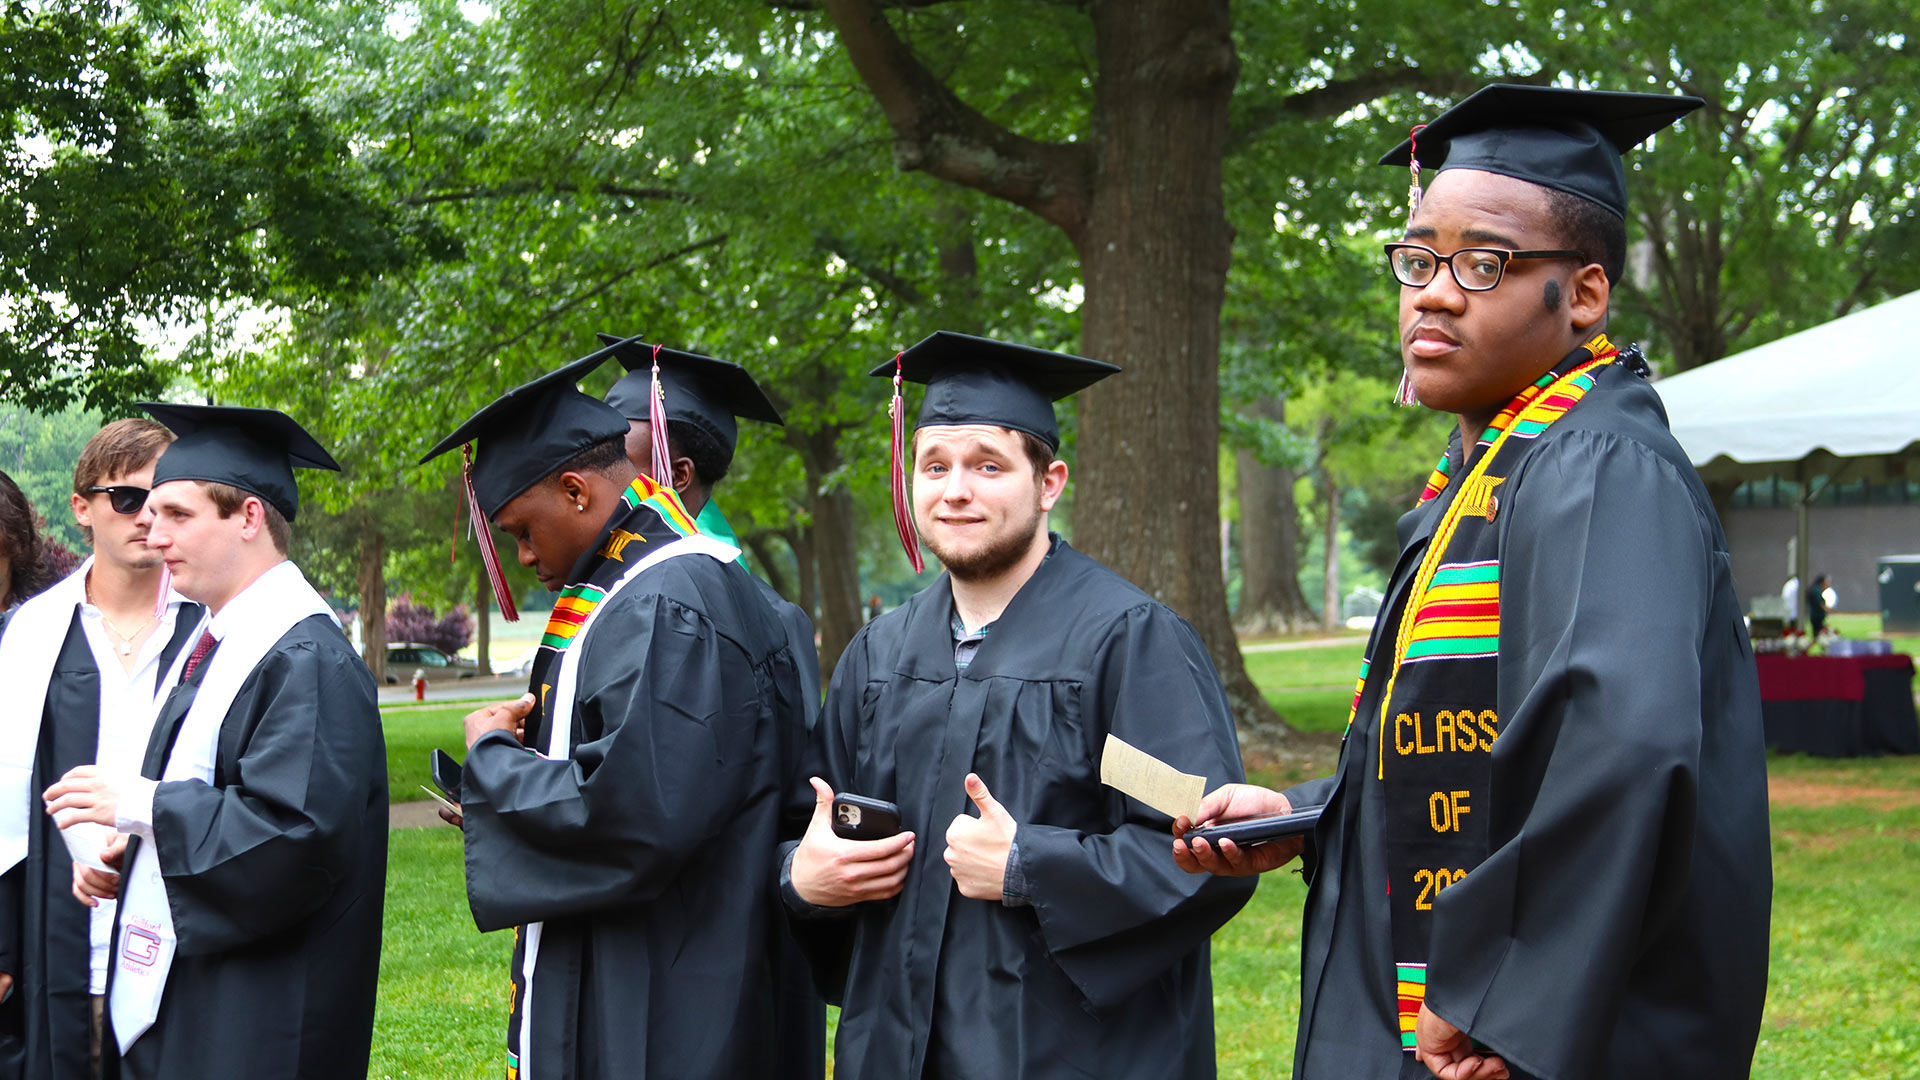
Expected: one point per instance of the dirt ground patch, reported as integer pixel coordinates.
(1796, 791)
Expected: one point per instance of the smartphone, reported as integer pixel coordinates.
(446, 773)
(856, 817)
(1260, 830)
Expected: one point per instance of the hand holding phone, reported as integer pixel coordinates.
(856, 817)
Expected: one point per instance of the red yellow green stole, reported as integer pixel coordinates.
(1439, 717)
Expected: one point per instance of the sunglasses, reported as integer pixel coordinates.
(123, 499)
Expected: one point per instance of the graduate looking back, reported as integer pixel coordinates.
(632, 848)
(248, 938)
(1026, 923)
(1545, 852)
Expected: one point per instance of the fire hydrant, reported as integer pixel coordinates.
(419, 684)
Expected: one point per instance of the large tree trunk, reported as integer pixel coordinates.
(1140, 198)
(1330, 590)
(1154, 251)
(1270, 596)
(836, 547)
(373, 598)
(482, 618)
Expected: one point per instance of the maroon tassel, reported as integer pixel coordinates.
(902, 504)
(483, 533)
(1405, 396)
(657, 423)
(1413, 166)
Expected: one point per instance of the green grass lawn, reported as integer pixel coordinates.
(412, 735)
(1843, 1001)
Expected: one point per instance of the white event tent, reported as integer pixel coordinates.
(1840, 400)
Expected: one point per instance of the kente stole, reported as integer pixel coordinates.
(1439, 708)
(649, 518)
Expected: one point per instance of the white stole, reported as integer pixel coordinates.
(28, 650)
(247, 629)
(560, 735)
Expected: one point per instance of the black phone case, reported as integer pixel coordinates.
(856, 817)
(446, 773)
(1259, 830)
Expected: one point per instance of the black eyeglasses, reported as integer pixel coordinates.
(1474, 269)
(123, 499)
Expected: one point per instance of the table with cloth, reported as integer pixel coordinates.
(1839, 706)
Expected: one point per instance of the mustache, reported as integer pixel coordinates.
(1438, 323)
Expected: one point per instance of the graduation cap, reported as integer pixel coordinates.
(255, 450)
(1567, 140)
(524, 435)
(976, 380)
(694, 389)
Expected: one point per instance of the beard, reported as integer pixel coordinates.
(995, 556)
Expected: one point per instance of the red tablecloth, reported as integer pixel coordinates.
(1804, 678)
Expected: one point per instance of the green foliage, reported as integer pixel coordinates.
(127, 204)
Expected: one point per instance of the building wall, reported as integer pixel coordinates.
(1846, 543)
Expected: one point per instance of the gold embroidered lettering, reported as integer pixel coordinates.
(1443, 730)
(1420, 738)
(1488, 720)
(1400, 744)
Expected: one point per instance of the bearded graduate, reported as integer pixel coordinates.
(255, 834)
(1545, 851)
(631, 848)
(1026, 922)
(88, 663)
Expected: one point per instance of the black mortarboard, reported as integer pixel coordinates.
(699, 390)
(1568, 140)
(255, 450)
(531, 430)
(975, 380)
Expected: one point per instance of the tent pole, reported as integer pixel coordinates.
(1802, 560)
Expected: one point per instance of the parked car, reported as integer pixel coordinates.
(407, 657)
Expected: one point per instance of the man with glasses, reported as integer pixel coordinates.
(85, 664)
(1544, 852)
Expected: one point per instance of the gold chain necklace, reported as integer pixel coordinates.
(126, 640)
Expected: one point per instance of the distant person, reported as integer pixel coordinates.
(87, 664)
(702, 399)
(875, 608)
(1545, 850)
(1820, 600)
(23, 570)
(1790, 596)
(1026, 923)
(255, 835)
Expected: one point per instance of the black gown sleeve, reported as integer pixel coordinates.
(1605, 586)
(1114, 909)
(826, 935)
(260, 854)
(671, 717)
(12, 909)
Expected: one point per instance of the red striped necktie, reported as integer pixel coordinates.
(200, 650)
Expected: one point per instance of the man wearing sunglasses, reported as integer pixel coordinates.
(1544, 852)
(87, 659)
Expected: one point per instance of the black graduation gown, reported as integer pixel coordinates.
(47, 932)
(658, 955)
(1618, 927)
(1106, 974)
(276, 874)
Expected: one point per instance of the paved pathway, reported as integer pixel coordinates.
(1355, 640)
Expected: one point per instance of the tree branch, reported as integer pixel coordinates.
(555, 312)
(880, 275)
(1340, 95)
(535, 187)
(937, 133)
